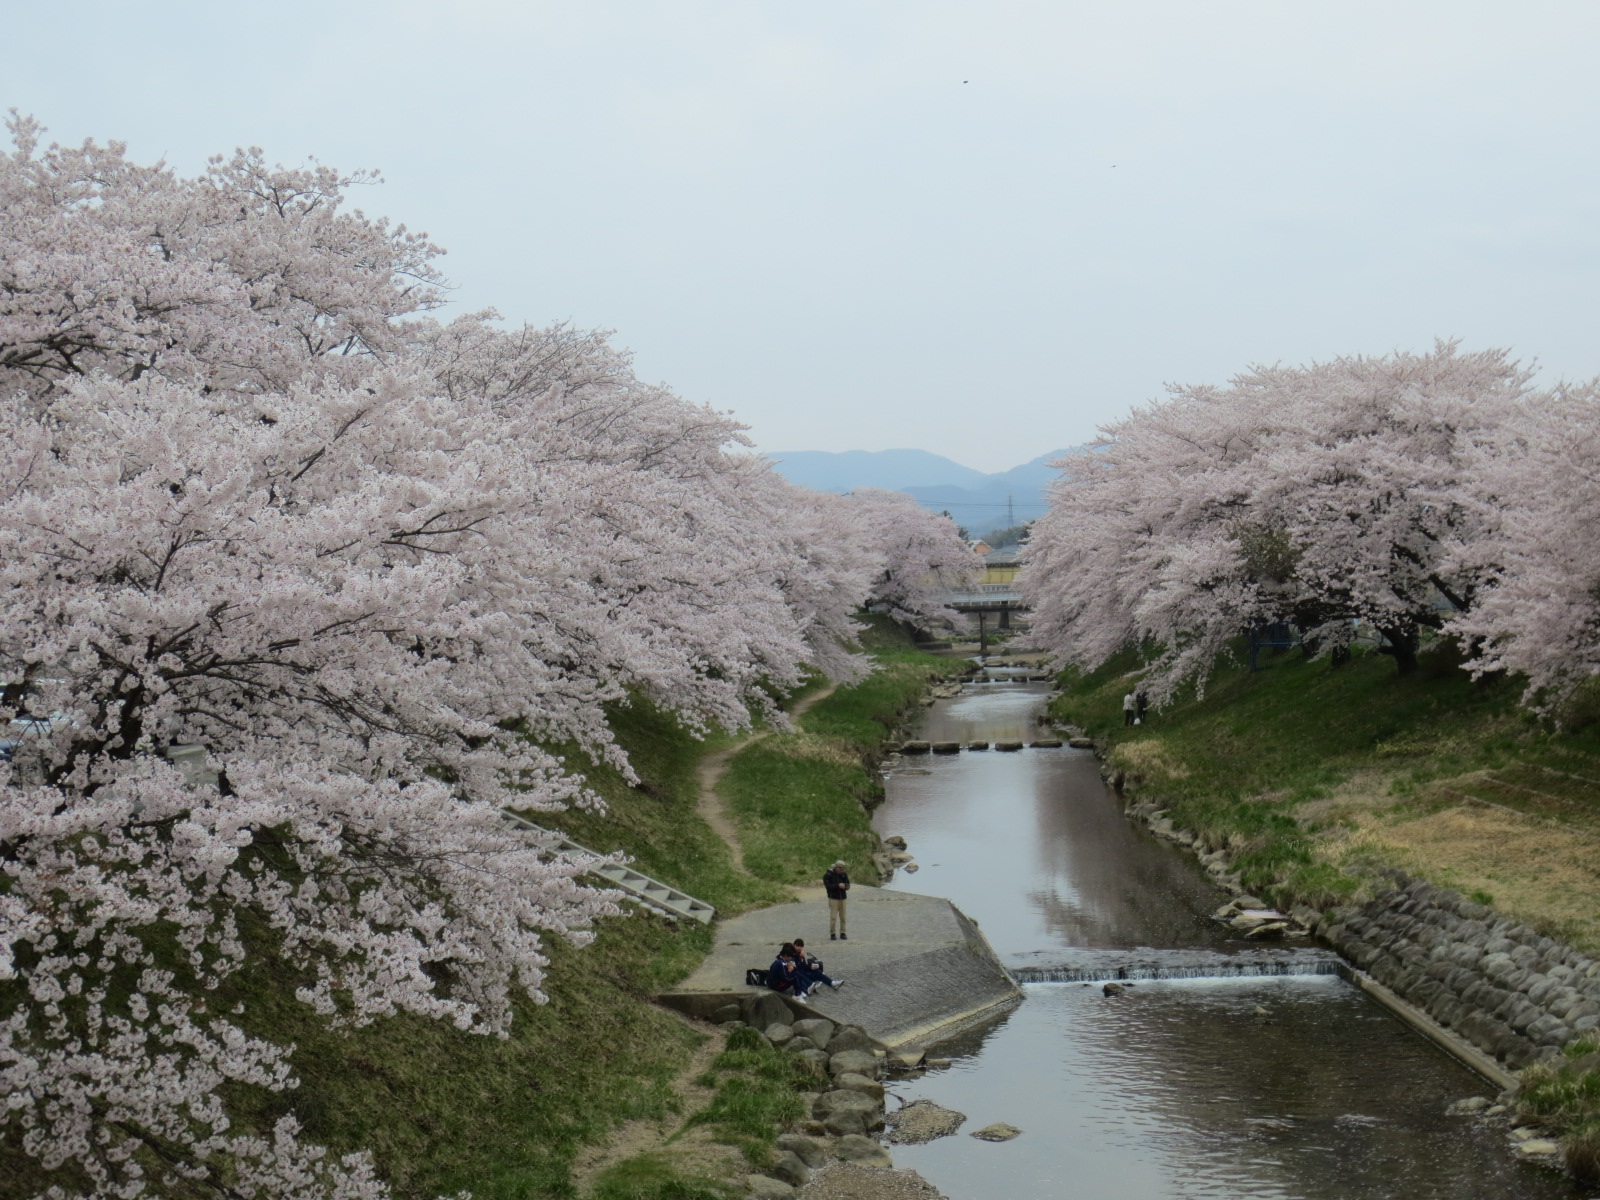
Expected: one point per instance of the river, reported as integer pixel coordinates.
(1295, 1087)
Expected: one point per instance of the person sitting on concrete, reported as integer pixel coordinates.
(809, 967)
(784, 974)
(836, 881)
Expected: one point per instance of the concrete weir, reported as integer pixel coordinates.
(916, 968)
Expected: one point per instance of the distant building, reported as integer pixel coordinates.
(981, 547)
(1001, 566)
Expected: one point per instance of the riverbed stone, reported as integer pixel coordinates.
(857, 1148)
(850, 1037)
(818, 1029)
(817, 1058)
(808, 1150)
(998, 1132)
(767, 1008)
(855, 1062)
(1471, 1104)
(765, 1187)
(840, 1099)
(788, 1167)
(853, 1120)
(923, 1121)
(1537, 1148)
(859, 1083)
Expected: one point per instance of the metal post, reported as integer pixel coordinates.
(983, 636)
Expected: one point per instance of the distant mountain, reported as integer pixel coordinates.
(977, 501)
(894, 470)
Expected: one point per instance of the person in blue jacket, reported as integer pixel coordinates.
(784, 974)
(809, 967)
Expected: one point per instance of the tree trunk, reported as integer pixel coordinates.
(1403, 645)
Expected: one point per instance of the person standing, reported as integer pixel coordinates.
(1130, 705)
(836, 881)
(1141, 704)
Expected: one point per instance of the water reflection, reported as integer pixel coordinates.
(1176, 1089)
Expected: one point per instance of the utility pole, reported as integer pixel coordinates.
(1011, 517)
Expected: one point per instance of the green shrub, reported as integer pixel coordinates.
(651, 1177)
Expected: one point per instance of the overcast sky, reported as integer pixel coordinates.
(975, 228)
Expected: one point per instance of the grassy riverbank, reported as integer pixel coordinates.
(801, 800)
(510, 1119)
(1312, 775)
(1313, 778)
(441, 1110)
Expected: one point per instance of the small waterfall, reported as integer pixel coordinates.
(1223, 967)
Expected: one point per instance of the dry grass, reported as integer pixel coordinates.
(1539, 873)
(810, 746)
(1152, 759)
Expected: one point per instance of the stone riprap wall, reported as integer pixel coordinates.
(1503, 987)
(1508, 990)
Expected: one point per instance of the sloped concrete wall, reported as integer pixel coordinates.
(1510, 991)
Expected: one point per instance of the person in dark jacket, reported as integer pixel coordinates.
(836, 881)
(810, 967)
(784, 974)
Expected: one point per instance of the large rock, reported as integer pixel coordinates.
(842, 1098)
(766, 1008)
(779, 1032)
(796, 1044)
(866, 1151)
(728, 1012)
(859, 1083)
(850, 1037)
(807, 1150)
(852, 1120)
(765, 1187)
(818, 1029)
(998, 1132)
(854, 1062)
(842, 1112)
(817, 1058)
(922, 1121)
(788, 1167)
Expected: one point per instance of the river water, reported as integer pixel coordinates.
(1291, 1087)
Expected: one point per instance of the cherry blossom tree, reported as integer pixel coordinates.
(239, 280)
(924, 556)
(1537, 483)
(1323, 495)
(253, 501)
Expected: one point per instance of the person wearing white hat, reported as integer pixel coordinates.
(836, 881)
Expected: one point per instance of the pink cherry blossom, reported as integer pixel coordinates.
(252, 501)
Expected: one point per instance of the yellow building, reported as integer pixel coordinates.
(1001, 566)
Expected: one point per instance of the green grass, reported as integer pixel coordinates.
(442, 1111)
(654, 1177)
(757, 1094)
(1240, 764)
(656, 823)
(802, 800)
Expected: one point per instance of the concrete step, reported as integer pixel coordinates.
(652, 892)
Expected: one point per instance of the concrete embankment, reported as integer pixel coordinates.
(915, 967)
(1493, 992)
